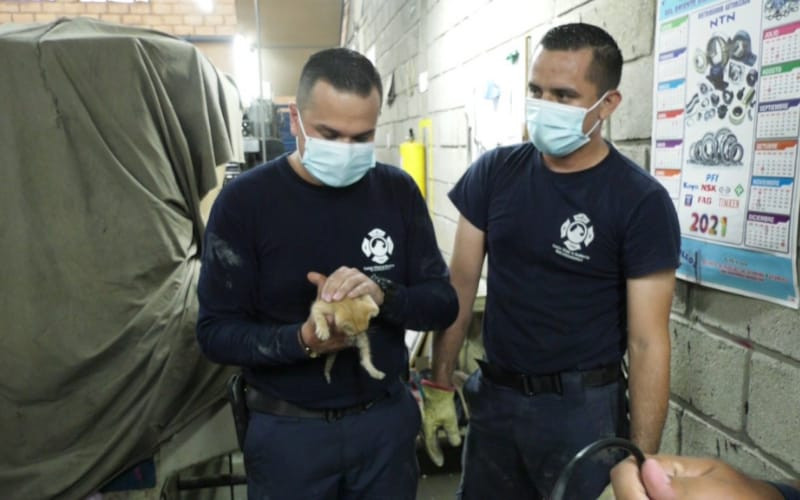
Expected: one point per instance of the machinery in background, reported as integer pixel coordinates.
(284, 131)
(260, 133)
(232, 170)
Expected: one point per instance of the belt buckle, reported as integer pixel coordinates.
(531, 389)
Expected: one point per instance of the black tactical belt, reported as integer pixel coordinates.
(260, 402)
(541, 384)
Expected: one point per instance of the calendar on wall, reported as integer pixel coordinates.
(726, 125)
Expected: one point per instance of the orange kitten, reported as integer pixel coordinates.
(350, 316)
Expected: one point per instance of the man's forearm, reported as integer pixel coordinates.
(447, 344)
(649, 391)
(246, 343)
(465, 274)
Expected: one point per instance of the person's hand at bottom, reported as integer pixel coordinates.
(666, 477)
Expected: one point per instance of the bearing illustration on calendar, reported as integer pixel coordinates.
(726, 125)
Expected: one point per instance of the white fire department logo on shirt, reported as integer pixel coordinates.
(377, 246)
(577, 232)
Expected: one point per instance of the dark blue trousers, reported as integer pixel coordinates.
(370, 455)
(517, 445)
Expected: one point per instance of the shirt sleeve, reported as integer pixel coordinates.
(427, 300)
(653, 237)
(471, 193)
(227, 330)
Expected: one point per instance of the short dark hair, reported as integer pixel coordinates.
(606, 67)
(345, 69)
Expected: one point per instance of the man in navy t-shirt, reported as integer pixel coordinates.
(582, 246)
(325, 221)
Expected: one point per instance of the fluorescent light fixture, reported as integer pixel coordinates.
(245, 68)
(205, 6)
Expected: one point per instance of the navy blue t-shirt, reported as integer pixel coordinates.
(268, 228)
(560, 248)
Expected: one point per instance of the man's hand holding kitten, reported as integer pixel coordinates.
(345, 282)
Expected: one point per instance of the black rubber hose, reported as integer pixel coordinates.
(563, 479)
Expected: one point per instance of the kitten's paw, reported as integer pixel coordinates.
(322, 331)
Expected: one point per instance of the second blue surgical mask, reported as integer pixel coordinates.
(557, 129)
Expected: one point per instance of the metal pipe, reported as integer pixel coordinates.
(262, 137)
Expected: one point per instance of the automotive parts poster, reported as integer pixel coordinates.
(725, 140)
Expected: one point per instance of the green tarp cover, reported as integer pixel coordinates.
(109, 135)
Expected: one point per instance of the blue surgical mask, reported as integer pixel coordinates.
(334, 163)
(557, 129)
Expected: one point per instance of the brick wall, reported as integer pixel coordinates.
(736, 361)
(177, 17)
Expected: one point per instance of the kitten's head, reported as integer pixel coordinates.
(356, 315)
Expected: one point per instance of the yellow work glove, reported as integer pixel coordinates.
(607, 494)
(439, 410)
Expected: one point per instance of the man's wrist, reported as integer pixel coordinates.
(387, 287)
(442, 373)
(306, 348)
(393, 308)
(435, 385)
(645, 443)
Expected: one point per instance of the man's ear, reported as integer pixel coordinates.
(294, 125)
(610, 103)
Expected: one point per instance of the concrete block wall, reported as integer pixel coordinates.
(736, 361)
(176, 17)
(736, 380)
